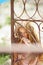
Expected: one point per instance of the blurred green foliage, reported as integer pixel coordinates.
(3, 58)
(0, 26)
(8, 21)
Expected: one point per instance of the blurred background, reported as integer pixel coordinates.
(5, 30)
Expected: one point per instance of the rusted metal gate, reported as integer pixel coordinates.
(30, 18)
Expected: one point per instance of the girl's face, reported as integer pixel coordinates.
(23, 32)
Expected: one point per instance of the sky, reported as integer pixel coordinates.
(2, 1)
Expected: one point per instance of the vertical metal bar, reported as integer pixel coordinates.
(12, 21)
(12, 29)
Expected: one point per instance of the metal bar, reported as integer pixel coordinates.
(12, 20)
(28, 20)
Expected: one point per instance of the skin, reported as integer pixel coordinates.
(23, 32)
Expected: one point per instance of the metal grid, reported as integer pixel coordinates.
(30, 18)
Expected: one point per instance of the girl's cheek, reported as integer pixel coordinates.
(25, 35)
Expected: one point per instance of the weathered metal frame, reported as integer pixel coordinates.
(13, 21)
(30, 19)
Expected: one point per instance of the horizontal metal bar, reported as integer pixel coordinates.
(28, 20)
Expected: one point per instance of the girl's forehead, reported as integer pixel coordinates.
(22, 29)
